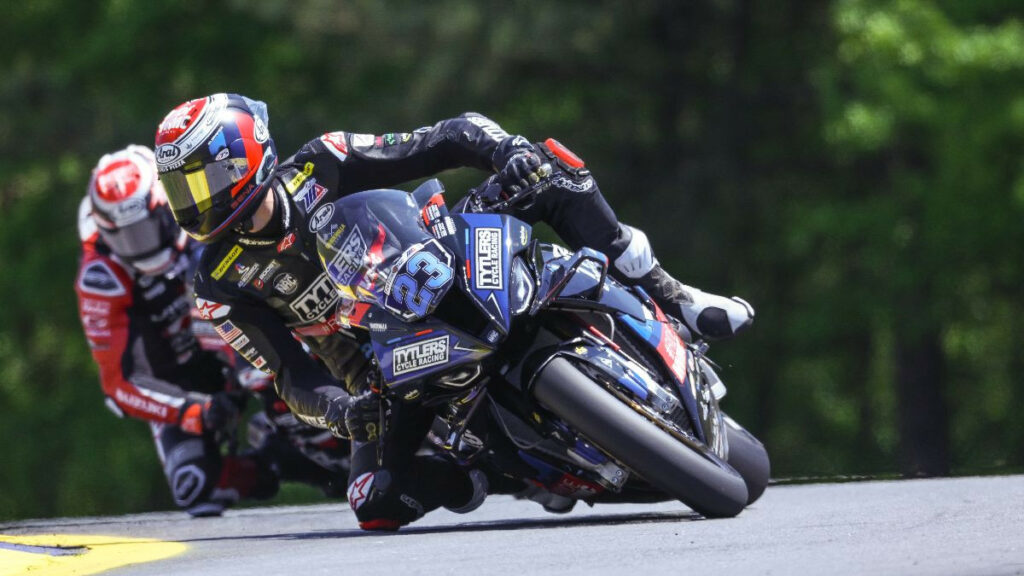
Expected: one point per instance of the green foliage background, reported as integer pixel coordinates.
(852, 167)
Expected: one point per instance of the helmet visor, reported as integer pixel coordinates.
(137, 240)
(195, 188)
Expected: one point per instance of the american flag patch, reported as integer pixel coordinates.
(228, 331)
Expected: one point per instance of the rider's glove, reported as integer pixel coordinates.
(522, 166)
(204, 414)
(355, 417)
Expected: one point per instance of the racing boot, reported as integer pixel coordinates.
(700, 315)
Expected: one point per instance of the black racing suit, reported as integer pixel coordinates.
(269, 295)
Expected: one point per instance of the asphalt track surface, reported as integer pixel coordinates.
(939, 526)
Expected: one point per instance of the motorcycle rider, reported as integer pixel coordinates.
(132, 285)
(260, 280)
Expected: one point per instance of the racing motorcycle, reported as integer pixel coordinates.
(541, 365)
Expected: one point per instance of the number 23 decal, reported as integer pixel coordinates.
(417, 286)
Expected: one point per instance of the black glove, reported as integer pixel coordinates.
(523, 168)
(363, 417)
(355, 417)
(220, 412)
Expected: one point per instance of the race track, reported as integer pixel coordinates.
(941, 526)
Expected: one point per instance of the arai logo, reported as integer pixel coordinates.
(167, 153)
(321, 217)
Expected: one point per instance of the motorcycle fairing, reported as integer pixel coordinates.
(487, 244)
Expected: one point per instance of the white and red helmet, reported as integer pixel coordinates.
(129, 209)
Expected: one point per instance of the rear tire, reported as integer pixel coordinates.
(749, 457)
(711, 488)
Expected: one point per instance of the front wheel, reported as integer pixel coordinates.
(748, 456)
(700, 481)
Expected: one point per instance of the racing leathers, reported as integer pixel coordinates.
(268, 295)
(153, 367)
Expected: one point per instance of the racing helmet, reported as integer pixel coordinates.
(215, 157)
(129, 209)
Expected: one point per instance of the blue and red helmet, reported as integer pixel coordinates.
(215, 157)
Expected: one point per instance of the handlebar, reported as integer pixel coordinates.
(543, 183)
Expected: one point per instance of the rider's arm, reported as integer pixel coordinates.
(367, 161)
(261, 338)
(105, 309)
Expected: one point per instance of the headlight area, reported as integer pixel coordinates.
(521, 287)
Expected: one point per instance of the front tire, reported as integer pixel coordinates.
(706, 484)
(749, 457)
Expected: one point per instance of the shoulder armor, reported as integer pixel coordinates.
(98, 277)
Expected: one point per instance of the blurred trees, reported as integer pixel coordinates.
(853, 168)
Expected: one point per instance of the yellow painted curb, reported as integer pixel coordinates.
(67, 554)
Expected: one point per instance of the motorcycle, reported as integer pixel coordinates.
(541, 366)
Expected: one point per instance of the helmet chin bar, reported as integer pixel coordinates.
(156, 264)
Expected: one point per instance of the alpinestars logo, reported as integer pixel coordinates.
(423, 354)
(488, 259)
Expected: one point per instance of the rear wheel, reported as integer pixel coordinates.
(700, 481)
(748, 456)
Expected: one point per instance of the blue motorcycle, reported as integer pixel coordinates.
(540, 365)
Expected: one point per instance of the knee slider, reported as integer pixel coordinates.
(378, 506)
(191, 472)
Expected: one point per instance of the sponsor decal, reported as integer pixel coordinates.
(260, 130)
(246, 273)
(420, 355)
(487, 259)
(286, 242)
(269, 270)
(285, 283)
(98, 278)
(260, 362)
(362, 140)
(210, 310)
(489, 127)
(349, 259)
(167, 153)
(292, 185)
(378, 326)
(311, 195)
(315, 300)
(359, 491)
(226, 263)
(90, 306)
(139, 403)
(335, 144)
(390, 139)
(524, 235)
(188, 126)
(321, 217)
(228, 331)
(239, 342)
(336, 232)
(563, 182)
